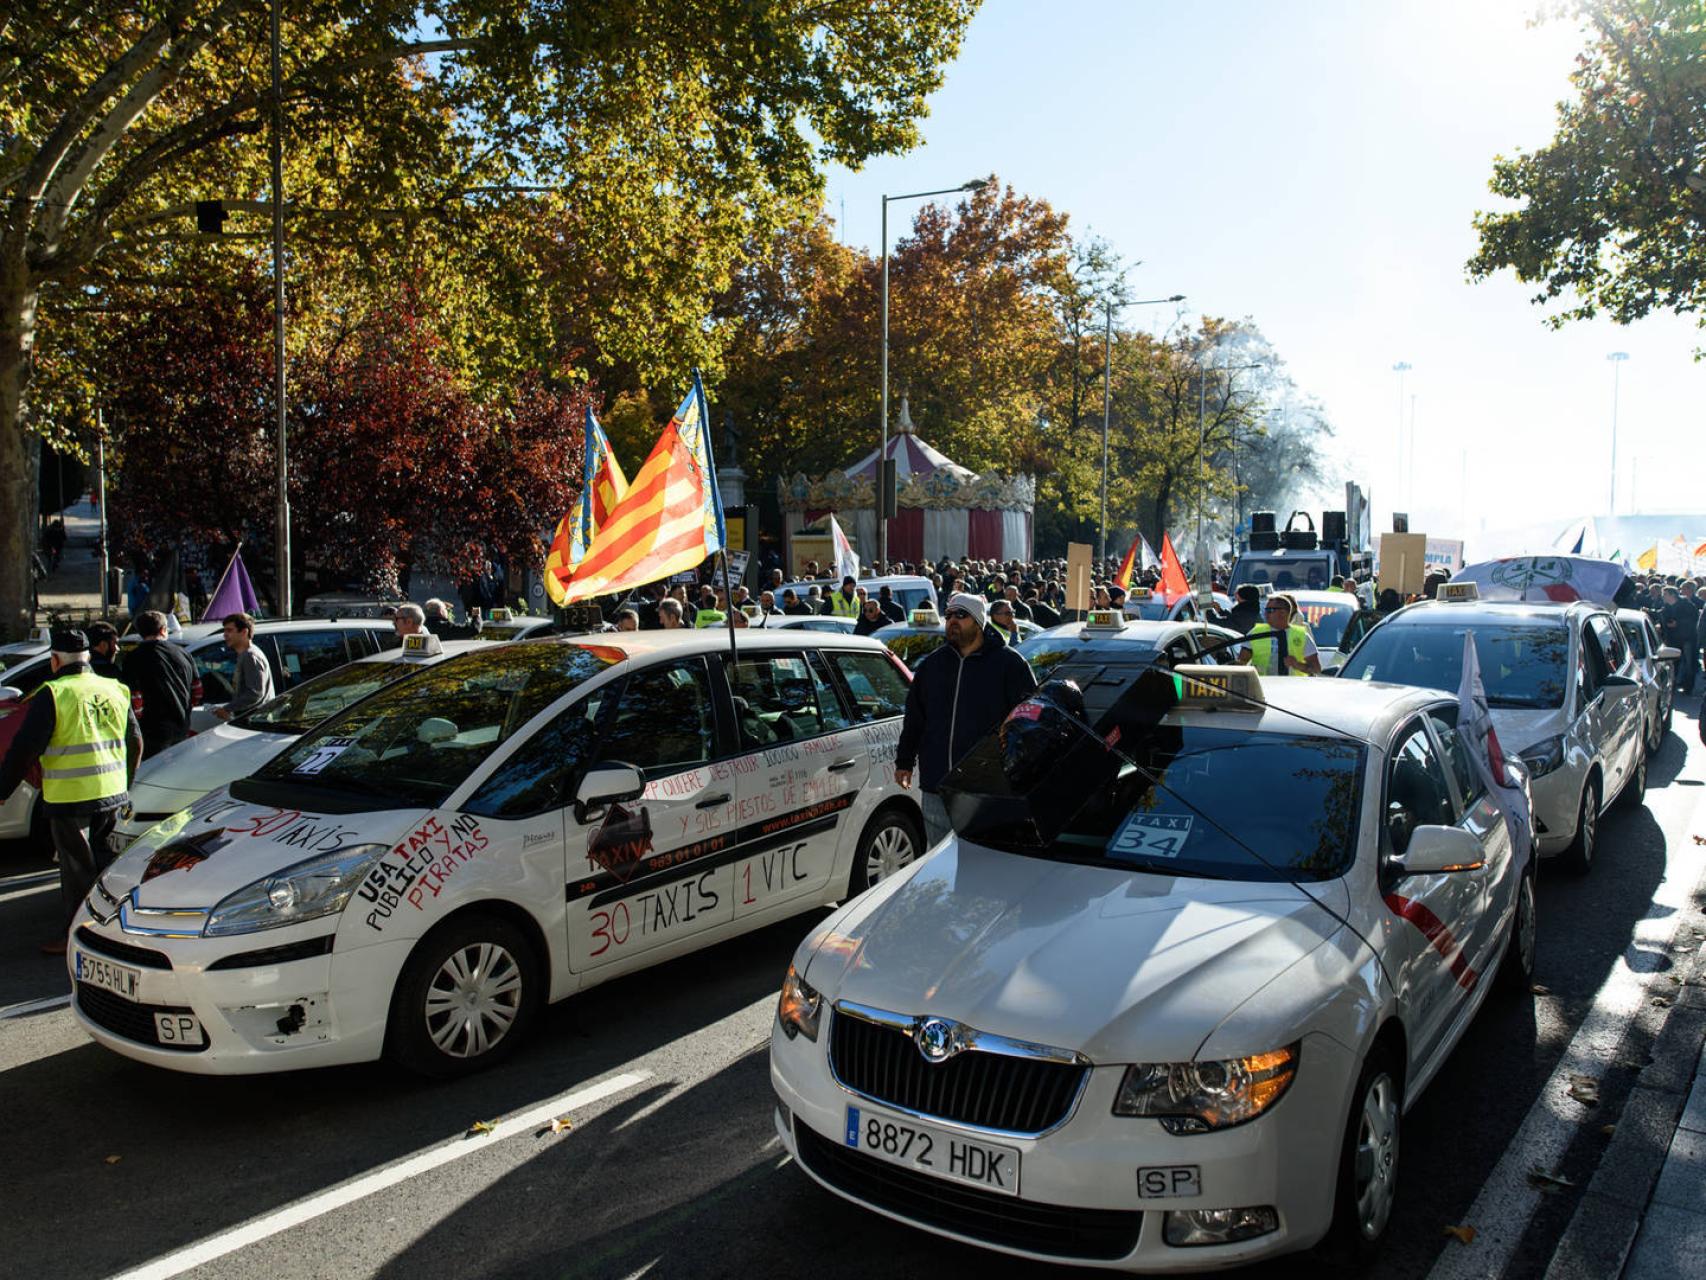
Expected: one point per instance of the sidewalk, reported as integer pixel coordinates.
(75, 587)
(1672, 1239)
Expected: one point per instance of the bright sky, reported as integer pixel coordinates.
(1314, 164)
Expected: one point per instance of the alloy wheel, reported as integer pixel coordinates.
(890, 850)
(1377, 1156)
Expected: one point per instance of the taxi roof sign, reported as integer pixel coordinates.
(41, 635)
(924, 616)
(423, 644)
(750, 610)
(1104, 620)
(501, 615)
(1458, 592)
(1229, 688)
(1139, 593)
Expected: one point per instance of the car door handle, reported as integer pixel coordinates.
(711, 802)
(839, 765)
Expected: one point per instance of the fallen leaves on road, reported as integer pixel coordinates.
(562, 1124)
(114, 1159)
(1663, 1001)
(480, 1126)
(1550, 1183)
(1464, 1234)
(1585, 1089)
(1539, 990)
(1700, 839)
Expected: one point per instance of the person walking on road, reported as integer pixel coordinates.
(80, 728)
(251, 682)
(1677, 623)
(103, 651)
(845, 602)
(165, 677)
(1295, 654)
(960, 693)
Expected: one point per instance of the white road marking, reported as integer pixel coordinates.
(175, 1264)
(52, 887)
(27, 1007)
(1507, 1200)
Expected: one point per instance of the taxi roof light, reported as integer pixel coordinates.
(423, 644)
(1139, 593)
(500, 615)
(1104, 620)
(1228, 688)
(925, 616)
(1458, 592)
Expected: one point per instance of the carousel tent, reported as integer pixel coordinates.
(945, 510)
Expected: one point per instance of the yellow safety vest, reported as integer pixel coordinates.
(1261, 650)
(845, 606)
(85, 758)
(710, 618)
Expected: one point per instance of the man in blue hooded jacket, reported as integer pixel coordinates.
(960, 693)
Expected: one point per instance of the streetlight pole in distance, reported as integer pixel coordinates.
(1401, 368)
(976, 184)
(1617, 358)
(1107, 402)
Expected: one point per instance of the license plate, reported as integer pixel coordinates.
(178, 1028)
(1169, 1182)
(100, 972)
(934, 1151)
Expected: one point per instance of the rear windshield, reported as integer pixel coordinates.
(1283, 573)
(1523, 665)
(416, 741)
(1327, 621)
(1047, 653)
(313, 700)
(912, 647)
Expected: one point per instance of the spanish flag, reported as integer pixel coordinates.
(602, 488)
(669, 519)
(1123, 578)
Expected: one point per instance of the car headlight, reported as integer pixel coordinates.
(1543, 757)
(799, 1007)
(1195, 1097)
(318, 887)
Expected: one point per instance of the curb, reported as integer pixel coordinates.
(1601, 1237)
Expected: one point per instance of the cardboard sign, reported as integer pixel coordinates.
(1078, 576)
(1403, 562)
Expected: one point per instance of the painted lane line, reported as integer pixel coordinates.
(175, 1264)
(27, 1007)
(1507, 1200)
(25, 893)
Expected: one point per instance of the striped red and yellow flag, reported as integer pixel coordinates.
(670, 518)
(1123, 577)
(602, 488)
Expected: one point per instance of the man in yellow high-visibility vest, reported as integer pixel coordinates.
(81, 729)
(1294, 655)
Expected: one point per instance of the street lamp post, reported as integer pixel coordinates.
(1401, 368)
(282, 550)
(1107, 403)
(976, 184)
(1617, 358)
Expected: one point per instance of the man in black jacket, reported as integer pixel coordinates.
(960, 693)
(164, 675)
(1246, 611)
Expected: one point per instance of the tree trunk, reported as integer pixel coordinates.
(1163, 501)
(18, 449)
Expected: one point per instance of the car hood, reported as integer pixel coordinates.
(1121, 966)
(219, 845)
(1520, 730)
(206, 761)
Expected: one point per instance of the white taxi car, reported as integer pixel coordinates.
(183, 774)
(1564, 692)
(1162, 1007)
(419, 874)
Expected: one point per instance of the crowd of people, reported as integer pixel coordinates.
(1677, 607)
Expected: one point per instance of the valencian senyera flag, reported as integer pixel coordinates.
(670, 518)
(602, 488)
(1138, 556)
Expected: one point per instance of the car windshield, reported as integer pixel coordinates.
(504, 630)
(416, 741)
(1523, 664)
(313, 700)
(1283, 573)
(1047, 653)
(1220, 803)
(1327, 620)
(1154, 609)
(10, 660)
(911, 647)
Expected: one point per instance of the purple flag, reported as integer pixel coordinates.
(233, 594)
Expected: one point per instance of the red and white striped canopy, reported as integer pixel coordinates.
(912, 457)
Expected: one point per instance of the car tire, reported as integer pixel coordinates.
(1634, 793)
(467, 996)
(892, 840)
(1367, 1186)
(1516, 971)
(1656, 738)
(1580, 854)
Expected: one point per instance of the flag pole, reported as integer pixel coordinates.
(711, 480)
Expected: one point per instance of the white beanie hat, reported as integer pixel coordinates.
(977, 606)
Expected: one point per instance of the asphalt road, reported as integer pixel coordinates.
(675, 1171)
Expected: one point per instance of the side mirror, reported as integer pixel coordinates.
(604, 785)
(1619, 682)
(1667, 653)
(1433, 850)
(11, 693)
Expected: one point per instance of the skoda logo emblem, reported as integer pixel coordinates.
(935, 1039)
